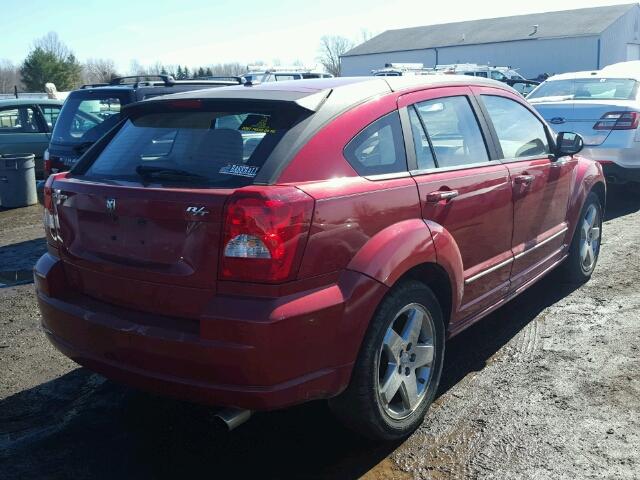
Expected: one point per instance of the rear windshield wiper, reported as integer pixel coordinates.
(82, 147)
(167, 173)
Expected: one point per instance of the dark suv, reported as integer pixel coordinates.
(91, 111)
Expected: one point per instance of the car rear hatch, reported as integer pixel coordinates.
(582, 116)
(589, 103)
(141, 220)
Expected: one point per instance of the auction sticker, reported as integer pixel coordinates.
(239, 170)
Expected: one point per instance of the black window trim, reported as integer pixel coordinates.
(488, 139)
(494, 134)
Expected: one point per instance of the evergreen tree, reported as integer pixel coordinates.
(209, 72)
(179, 74)
(186, 72)
(201, 72)
(43, 66)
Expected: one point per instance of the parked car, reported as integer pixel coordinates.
(370, 220)
(282, 74)
(604, 107)
(26, 125)
(92, 110)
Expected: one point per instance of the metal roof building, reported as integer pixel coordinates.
(552, 42)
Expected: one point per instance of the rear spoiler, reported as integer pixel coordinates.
(308, 101)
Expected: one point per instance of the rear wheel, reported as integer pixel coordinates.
(585, 245)
(398, 369)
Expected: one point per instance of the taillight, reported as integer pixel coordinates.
(50, 215)
(47, 163)
(618, 121)
(265, 232)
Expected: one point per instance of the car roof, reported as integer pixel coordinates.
(359, 88)
(29, 101)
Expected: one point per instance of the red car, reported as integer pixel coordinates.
(258, 247)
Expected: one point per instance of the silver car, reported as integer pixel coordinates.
(604, 107)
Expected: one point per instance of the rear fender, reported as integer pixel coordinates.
(395, 250)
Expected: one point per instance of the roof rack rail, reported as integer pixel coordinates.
(222, 78)
(166, 79)
(93, 85)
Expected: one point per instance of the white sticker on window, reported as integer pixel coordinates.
(240, 170)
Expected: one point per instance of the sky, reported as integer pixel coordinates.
(202, 32)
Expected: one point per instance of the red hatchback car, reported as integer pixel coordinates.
(255, 247)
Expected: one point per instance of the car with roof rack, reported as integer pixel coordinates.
(93, 109)
(371, 219)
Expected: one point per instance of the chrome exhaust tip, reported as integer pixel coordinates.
(233, 417)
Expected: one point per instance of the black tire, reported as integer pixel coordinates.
(573, 269)
(359, 407)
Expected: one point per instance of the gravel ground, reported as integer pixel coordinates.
(546, 387)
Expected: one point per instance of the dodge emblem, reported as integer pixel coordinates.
(111, 205)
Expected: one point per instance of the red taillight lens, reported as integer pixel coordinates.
(50, 217)
(264, 234)
(618, 121)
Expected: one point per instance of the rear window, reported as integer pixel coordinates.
(85, 119)
(587, 89)
(199, 148)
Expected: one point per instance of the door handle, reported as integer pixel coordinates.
(447, 195)
(524, 180)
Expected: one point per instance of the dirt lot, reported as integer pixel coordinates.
(545, 388)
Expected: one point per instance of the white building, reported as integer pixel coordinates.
(553, 42)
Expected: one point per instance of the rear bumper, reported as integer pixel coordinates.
(627, 158)
(255, 353)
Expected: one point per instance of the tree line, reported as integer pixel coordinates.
(50, 60)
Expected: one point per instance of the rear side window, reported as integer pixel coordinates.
(192, 147)
(379, 148)
(454, 131)
(520, 133)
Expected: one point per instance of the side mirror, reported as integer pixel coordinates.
(568, 143)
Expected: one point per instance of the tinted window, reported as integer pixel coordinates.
(424, 155)
(379, 148)
(86, 119)
(454, 131)
(51, 113)
(520, 133)
(202, 147)
(18, 120)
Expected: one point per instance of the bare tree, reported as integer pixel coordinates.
(99, 70)
(51, 43)
(9, 77)
(331, 47)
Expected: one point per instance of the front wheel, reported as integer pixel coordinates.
(397, 372)
(585, 245)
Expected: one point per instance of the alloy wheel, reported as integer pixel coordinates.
(589, 239)
(405, 361)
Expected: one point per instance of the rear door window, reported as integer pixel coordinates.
(51, 113)
(454, 131)
(379, 148)
(200, 148)
(519, 131)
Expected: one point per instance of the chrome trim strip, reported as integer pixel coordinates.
(540, 244)
(488, 271)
